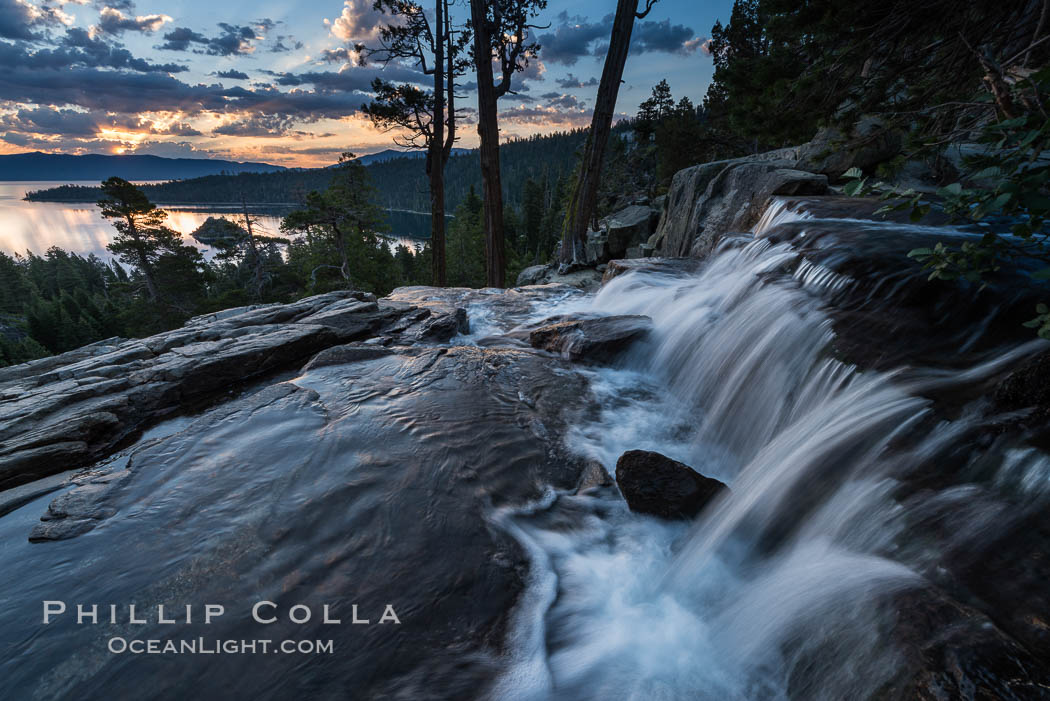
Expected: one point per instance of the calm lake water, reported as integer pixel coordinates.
(79, 228)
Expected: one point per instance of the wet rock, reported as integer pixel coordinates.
(581, 278)
(669, 266)
(951, 651)
(1028, 388)
(445, 324)
(534, 275)
(626, 228)
(11, 499)
(441, 312)
(593, 339)
(655, 484)
(72, 409)
(707, 201)
(916, 321)
(1005, 571)
(596, 249)
(594, 476)
(348, 353)
(380, 486)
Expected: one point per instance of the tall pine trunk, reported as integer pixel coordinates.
(583, 199)
(257, 263)
(144, 264)
(488, 131)
(435, 154)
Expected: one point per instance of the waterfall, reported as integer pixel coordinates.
(739, 381)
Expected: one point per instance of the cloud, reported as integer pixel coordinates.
(562, 101)
(135, 92)
(113, 21)
(558, 110)
(176, 129)
(340, 55)
(44, 120)
(572, 38)
(357, 79)
(18, 18)
(267, 125)
(575, 38)
(78, 48)
(359, 22)
(570, 82)
(279, 46)
(171, 149)
(664, 36)
(534, 71)
(233, 75)
(233, 40)
(72, 123)
(123, 5)
(180, 38)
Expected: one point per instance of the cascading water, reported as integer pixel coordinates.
(776, 590)
(394, 473)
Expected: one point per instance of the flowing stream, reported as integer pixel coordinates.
(778, 590)
(364, 484)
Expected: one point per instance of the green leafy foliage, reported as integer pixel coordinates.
(1008, 183)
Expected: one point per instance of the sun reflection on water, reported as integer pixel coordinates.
(79, 228)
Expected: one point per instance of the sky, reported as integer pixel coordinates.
(278, 81)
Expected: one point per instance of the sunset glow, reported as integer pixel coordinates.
(200, 80)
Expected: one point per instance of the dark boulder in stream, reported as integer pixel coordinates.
(655, 484)
(595, 339)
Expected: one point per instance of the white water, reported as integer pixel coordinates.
(736, 381)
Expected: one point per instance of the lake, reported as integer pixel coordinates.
(79, 228)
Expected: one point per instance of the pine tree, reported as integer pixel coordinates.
(342, 220)
(583, 199)
(427, 120)
(501, 38)
(141, 234)
(532, 214)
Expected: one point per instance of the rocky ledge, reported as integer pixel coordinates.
(70, 410)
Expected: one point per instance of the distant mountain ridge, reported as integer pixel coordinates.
(390, 154)
(96, 166)
(399, 179)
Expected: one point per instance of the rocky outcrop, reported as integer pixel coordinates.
(390, 466)
(1027, 390)
(668, 266)
(628, 229)
(69, 410)
(833, 152)
(348, 353)
(580, 277)
(535, 275)
(594, 339)
(708, 201)
(655, 484)
(951, 651)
